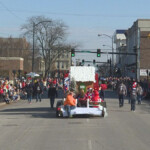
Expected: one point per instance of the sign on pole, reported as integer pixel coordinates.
(143, 72)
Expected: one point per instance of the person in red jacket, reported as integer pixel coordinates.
(1, 93)
(102, 89)
(96, 98)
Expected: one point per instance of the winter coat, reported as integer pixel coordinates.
(70, 100)
(122, 90)
(52, 92)
(29, 89)
(139, 90)
(38, 89)
(134, 93)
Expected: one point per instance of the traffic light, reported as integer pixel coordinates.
(98, 52)
(72, 52)
(94, 61)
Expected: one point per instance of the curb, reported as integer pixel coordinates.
(2, 104)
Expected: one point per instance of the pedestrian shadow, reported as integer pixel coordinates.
(38, 112)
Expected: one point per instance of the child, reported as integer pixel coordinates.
(6, 98)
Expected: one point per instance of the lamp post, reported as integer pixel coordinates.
(107, 46)
(112, 39)
(34, 25)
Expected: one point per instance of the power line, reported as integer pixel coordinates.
(75, 14)
(10, 11)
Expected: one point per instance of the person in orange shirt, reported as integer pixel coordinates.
(70, 103)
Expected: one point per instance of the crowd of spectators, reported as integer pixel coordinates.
(19, 89)
(25, 88)
(114, 82)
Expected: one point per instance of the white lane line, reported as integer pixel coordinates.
(89, 144)
(87, 120)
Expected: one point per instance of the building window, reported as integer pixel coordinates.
(67, 65)
(62, 65)
(57, 65)
(62, 54)
(67, 55)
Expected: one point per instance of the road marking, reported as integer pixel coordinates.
(89, 144)
(87, 120)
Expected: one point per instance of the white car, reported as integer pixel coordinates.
(92, 109)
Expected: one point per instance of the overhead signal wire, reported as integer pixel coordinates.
(10, 11)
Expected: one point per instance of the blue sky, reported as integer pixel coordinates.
(85, 18)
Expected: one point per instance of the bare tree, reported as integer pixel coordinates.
(49, 38)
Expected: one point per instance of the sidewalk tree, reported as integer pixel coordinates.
(49, 38)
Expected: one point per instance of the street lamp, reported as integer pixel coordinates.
(34, 25)
(111, 37)
(107, 46)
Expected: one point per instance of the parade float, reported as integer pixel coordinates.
(85, 78)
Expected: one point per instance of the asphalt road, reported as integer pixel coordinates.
(34, 126)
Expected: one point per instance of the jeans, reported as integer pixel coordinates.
(29, 97)
(133, 101)
(102, 94)
(139, 98)
(68, 109)
(52, 100)
(38, 97)
(129, 98)
(121, 100)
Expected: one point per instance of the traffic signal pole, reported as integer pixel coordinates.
(111, 53)
(117, 53)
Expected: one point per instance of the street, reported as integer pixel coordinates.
(25, 126)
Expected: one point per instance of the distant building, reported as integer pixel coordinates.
(120, 41)
(62, 64)
(39, 66)
(137, 42)
(11, 67)
(17, 47)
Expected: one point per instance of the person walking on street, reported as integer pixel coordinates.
(139, 93)
(38, 91)
(52, 93)
(102, 89)
(29, 91)
(122, 91)
(133, 96)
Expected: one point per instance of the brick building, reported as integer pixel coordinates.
(11, 67)
(138, 42)
(17, 47)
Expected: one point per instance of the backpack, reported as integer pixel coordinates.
(121, 89)
(38, 88)
(140, 90)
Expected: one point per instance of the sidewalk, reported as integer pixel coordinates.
(2, 104)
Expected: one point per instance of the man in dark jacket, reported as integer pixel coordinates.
(133, 96)
(29, 91)
(122, 91)
(52, 93)
(38, 91)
